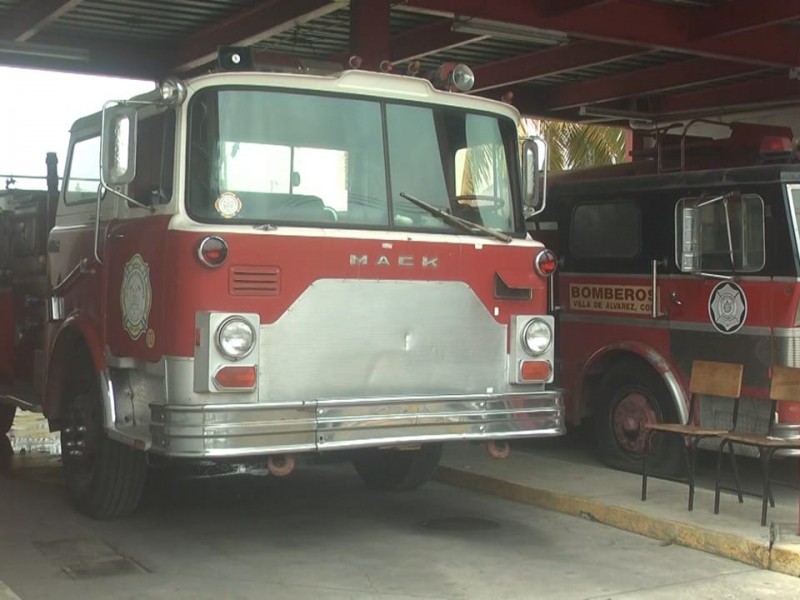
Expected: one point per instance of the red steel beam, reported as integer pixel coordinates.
(107, 57)
(427, 39)
(644, 81)
(265, 18)
(30, 16)
(742, 15)
(369, 31)
(628, 22)
(552, 8)
(765, 91)
(548, 62)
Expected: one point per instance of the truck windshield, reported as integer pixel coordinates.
(266, 156)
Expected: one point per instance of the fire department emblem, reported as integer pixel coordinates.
(727, 307)
(136, 296)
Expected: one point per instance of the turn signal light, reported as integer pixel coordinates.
(212, 251)
(545, 263)
(232, 378)
(535, 370)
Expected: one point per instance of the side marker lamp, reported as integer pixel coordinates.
(212, 251)
(545, 263)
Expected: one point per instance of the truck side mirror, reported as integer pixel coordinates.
(534, 176)
(690, 242)
(118, 154)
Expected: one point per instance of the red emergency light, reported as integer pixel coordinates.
(212, 251)
(546, 263)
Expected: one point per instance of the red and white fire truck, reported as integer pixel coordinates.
(708, 226)
(263, 265)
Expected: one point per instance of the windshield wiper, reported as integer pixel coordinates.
(458, 222)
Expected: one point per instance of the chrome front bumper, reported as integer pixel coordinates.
(337, 424)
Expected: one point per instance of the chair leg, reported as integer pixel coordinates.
(735, 468)
(691, 450)
(766, 457)
(647, 437)
(720, 454)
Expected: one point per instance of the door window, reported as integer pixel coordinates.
(721, 233)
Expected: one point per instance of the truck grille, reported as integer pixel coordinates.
(254, 281)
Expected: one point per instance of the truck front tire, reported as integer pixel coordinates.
(397, 470)
(631, 395)
(104, 478)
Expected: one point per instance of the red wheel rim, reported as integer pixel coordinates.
(630, 415)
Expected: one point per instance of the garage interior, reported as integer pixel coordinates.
(640, 62)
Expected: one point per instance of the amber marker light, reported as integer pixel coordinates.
(212, 251)
(545, 263)
(236, 378)
(535, 370)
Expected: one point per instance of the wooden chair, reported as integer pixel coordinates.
(707, 379)
(785, 387)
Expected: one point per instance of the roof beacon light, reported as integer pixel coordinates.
(462, 78)
(173, 91)
(453, 77)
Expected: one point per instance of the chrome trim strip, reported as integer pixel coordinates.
(656, 324)
(679, 399)
(644, 321)
(683, 326)
(788, 332)
(646, 276)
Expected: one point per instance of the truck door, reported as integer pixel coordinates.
(609, 337)
(136, 247)
(75, 274)
(720, 304)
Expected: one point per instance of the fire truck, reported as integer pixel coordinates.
(688, 252)
(253, 265)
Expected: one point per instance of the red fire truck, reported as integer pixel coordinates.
(261, 265)
(708, 226)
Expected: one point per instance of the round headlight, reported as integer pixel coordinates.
(536, 337)
(236, 338)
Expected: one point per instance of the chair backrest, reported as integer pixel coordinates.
(785, 384)
(716, 379)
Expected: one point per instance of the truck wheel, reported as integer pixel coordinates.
(7, 412)
(397, 470)
(632, 394)
(104, 478)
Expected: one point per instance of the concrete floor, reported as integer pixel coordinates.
(320, 534)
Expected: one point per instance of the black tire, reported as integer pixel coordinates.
(631, 393)
(397, 470)
(104, 478)
(7, 412)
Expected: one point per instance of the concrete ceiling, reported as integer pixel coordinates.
(570, 59)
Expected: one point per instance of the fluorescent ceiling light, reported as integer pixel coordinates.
(508, 31)
(26, 50)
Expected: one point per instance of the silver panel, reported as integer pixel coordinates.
(363, 363)
(350, 339)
